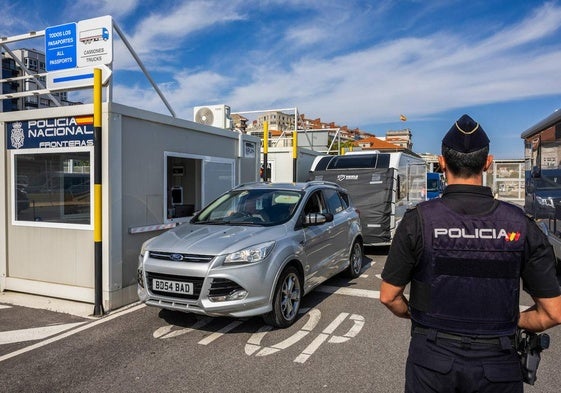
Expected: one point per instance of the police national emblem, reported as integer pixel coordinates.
(17, 137)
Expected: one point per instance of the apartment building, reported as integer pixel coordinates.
(9, 70)
(26, 62)
(401, 138)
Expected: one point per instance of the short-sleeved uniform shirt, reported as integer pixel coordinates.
(538, 268)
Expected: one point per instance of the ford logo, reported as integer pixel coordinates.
(176, 257)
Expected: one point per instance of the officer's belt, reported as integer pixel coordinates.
(459, 337)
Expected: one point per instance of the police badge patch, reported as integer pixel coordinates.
(17, 137)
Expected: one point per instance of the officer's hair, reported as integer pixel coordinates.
(465, 165)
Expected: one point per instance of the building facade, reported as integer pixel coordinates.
(9, 70)
(28, 62)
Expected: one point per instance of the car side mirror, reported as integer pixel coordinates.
(317, 219)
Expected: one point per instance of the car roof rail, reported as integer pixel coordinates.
(247, 184)
(321, 182)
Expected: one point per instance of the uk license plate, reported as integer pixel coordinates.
(185, 288)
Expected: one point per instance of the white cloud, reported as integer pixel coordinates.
(305, 36)
(164, 31)
(416, 76)
(187, 90)
(117, 9)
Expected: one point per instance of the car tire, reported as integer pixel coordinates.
(355, 260)
(286, 299)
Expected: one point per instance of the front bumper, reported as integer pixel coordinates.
(212, 283)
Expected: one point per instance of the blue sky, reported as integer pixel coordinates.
(356, 63)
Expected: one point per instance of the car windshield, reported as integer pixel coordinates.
(250, 207)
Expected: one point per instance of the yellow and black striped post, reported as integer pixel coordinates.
(98, 305)
(294, 156)
(265, 150)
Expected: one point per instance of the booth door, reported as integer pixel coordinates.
(222, 175)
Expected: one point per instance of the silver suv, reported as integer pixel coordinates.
(255, 250)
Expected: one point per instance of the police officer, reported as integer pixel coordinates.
(463, 256)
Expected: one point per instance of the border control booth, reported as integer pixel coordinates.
(157, 170)
(85, 185)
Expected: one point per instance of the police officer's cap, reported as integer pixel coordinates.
(466, 136)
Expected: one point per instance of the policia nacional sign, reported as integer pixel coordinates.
(76, 131)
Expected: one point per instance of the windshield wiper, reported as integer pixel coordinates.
(213, 222)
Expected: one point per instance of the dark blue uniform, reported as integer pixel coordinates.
(464, 256)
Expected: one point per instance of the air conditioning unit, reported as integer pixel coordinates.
(213, 115)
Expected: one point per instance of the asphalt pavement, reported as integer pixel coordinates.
(25, 318)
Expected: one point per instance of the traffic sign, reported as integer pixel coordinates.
(95, 41)
(60, 47)
(76, 78)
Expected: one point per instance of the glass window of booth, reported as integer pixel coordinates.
(52, 187)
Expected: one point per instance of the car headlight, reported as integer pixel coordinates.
(251, 254)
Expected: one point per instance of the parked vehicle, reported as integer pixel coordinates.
(435, 185)
(382, 185)
(543, 179)
(256, 250)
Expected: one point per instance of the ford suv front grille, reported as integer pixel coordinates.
(178, 257)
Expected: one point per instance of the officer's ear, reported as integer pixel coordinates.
(442, 163)
(488, 163)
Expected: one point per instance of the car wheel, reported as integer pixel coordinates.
(355, 261)
(286, 300)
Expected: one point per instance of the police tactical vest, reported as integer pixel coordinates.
(468, 279)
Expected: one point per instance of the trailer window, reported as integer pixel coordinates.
(360, 161)
(322, 163)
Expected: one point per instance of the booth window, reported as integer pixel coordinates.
(52, 187)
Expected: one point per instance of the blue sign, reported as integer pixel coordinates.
(76, 131)
(60, 47)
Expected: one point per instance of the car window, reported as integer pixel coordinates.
(222, 208)
(333, 201)
(345, 199)
(282, 206)
(250, 207)
(315, 204)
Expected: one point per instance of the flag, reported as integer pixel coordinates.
(402, 118)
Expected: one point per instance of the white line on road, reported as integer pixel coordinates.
(4, 306)
(39, 333)
(349, 291)
(126, 310)
(220, 333)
